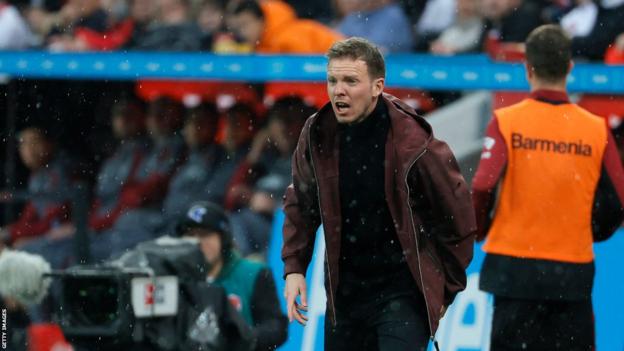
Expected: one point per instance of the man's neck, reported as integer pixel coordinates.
(215, 269)
(368, 113)
(175, 17)
(539, 85)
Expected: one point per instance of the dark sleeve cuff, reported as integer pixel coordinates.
(292, 265)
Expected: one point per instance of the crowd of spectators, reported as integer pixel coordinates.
(167, 156)
(174, 150)
(290, 26)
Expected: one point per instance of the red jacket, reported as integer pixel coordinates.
(427, 198)
(112, 39)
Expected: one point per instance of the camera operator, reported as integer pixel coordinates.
(249, 285)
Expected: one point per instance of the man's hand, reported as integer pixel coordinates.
(296, 286)
(259, 143)
(61, 232)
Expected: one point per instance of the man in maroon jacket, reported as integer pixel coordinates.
(396, 212)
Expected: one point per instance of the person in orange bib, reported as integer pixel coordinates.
(549, 185)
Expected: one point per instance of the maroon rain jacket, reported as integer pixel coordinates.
(427, 197)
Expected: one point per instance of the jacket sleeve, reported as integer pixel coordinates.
(489, 174)
(30, 225)
(608, 208)
(153, 188)
(107, 220)
(449, 218)
(302, 213)
(270, 324)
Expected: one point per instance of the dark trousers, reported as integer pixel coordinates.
(394, 325)
(537, 325)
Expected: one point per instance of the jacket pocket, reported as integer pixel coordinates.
(428, 246)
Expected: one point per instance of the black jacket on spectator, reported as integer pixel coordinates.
(179, 37)
(516, 26)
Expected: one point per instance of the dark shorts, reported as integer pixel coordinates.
(542, 325)
(394, 325)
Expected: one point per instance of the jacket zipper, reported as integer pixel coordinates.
(318, 195)
(422, 281)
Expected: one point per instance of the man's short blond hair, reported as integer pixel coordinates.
(357, 48)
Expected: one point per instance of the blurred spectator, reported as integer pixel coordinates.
(14, 32)
(206, 172)
(273, 27)
(437, 15)
(117, 172)
(464, 35)
(163, 121)
(508, 22)
(173, 29)
(145, 192)
(381, 21)
(58, 28)
(238, 129)
(44, 220)
(271, 149)
(124, 33)
(273, 146)
(251, 225)
(609, 23)
(581, 19)
(211, 21)
(238, 132)
(268, 166)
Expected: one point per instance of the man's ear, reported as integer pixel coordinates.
(529, 71)
(378, 86)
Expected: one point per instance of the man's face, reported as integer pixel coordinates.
(34, 149)
(210, 18)
(143, 11)
(154, 126)
(238, 129)
(120, 127)
(351, 90)
(198, 132)
(126, 126)
(209, 244)
(496, 9)
(466, 8)
(248, 27)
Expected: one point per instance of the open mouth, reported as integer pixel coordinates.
(341, 107)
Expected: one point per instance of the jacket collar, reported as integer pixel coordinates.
(229, 263)
(554, 97)
(410, 133)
